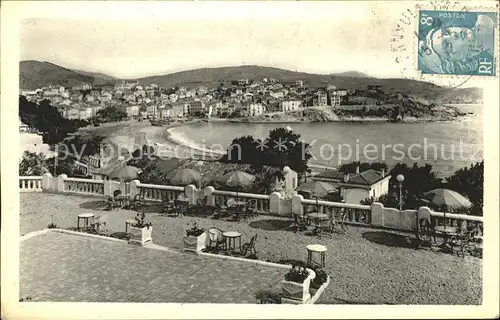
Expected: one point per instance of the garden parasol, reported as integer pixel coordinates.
(447, 199)
(124, 173)
(317, 189)
(184, 176)
(237, 179)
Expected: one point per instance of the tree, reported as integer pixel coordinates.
(418, 180)
(46, 119)
(111, 114)
(469, 181)
(32, 164)
(281, 148)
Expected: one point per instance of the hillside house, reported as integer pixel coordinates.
(355, 187)
(132, 111)
(290, 104)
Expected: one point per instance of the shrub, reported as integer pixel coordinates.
(194, 231)
(297, 274)
(268, 296)
(52, 225)
(140, 221)
(321, 277)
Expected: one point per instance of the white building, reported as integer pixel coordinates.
(291, 104)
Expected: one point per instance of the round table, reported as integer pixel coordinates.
(318, 216)
(446, 232)
(316, 248)
(85, 217)
(231, 237)
(128, 223)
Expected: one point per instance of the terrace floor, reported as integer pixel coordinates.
(60, 267)
(367, 266)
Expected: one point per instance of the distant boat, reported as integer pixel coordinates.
(159, 123)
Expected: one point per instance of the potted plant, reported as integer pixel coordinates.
(140, 231)
(320, 278)
(195, 239)
(295, 287)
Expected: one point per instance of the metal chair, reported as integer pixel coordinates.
(216, 239)
(300, 223)
(424, 231)
(249, 247)
(251, 208)
(138, 201)
(99, 222)
(111, 203)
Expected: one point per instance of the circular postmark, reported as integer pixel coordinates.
(413, 55)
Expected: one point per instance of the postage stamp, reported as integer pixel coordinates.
(457, 42)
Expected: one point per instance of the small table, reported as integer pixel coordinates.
(128, 223)
(231, 237)
(446, 232)
(317, 217)
(316, 248)
(85, 217)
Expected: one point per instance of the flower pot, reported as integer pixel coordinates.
(295, 292)
(195, 244)
(140, 236)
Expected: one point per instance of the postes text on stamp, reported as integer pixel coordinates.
(457, 42)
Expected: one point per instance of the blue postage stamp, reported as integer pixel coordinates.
(457, 42)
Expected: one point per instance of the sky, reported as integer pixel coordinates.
(143, 40)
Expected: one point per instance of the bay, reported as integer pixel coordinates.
(448, 146)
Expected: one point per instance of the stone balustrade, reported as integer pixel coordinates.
(30, 184)
(375, 215)
(355, 213)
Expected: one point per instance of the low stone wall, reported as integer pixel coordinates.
(375, 215)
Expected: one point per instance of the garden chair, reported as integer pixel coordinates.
(138, 201)
(300, 223)
(235, 213)
(216, 239)
(464, 239)
(251, 208)
(99, 223)
(220, 209)
(167, 205)
(249, 247)
(424, 229)
(111, 203)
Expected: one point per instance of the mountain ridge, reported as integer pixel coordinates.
(35, 74)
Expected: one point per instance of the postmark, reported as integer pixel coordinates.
(457, 42)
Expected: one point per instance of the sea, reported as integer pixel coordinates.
(446, 145)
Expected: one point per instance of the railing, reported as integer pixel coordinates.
(263, 205)
(455, 220)
(30, 184)
(85, 186)
(355, 213)
(153, 192)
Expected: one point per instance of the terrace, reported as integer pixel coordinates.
(367, 265)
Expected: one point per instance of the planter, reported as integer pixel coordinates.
(140, 236)
(195, 244)
(297, 293)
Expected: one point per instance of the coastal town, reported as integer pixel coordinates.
(267, 99)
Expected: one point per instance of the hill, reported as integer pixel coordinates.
(99, 78)
(35, 74)
(347, 80)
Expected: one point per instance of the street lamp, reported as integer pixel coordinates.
(400, 179)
